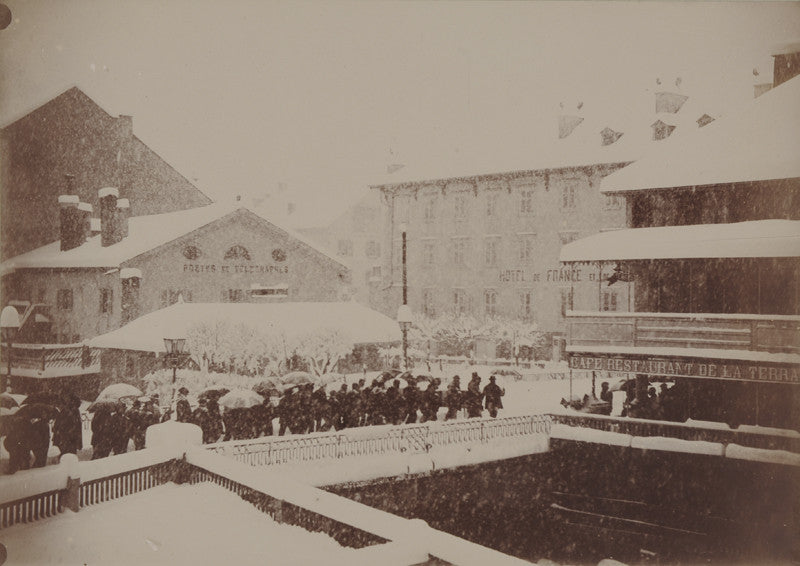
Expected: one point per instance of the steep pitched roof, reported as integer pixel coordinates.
(761, 142)
(146, 233)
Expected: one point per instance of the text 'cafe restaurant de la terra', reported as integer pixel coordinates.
(713, 245)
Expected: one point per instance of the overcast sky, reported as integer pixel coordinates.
(240, 95)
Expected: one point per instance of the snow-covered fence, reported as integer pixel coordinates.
(377, 440)
(754, 437)
(32, 495)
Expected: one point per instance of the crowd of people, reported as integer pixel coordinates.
(304, 409)
(300, 410)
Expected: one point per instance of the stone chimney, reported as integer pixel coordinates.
(609, 136)
(123, 214)
(86, 220)
(108, 215)
(669, 102)
(71, 229)
(392, 167)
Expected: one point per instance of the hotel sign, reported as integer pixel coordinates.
(670, 367)
(555, 275)
(223, 268)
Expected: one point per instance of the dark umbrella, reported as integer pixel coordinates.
(214, 392)
(266, 389)
(7, 401)
(386, 375)
(44, 397)
(37, 411)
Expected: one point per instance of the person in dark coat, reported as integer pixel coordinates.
(431, 401)
(39, 434)
(493, 394)
(452, 398)
(411, 401)
(17, 443)
(393, 403)
(320, 409)
(68, 427)
(183, 411)
(121, 430)
(286, 408)
(474, 396)
(101, 433)
(261, 416)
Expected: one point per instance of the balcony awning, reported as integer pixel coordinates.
(757, 238)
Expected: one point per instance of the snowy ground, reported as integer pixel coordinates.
(170, 524)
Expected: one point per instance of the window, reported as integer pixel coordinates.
(346, 248)
(106, 300)
(526, 305)
(269, 291)
(526, 247)
(609, 300)
(491, 204)
(75, 338)
(429, 253)
(526, 201)
(64, 299)
(375, 273)
(170, 296)
(566, 301)
(42, 295)
(459, 251)
(490, 302)
(568, 194)
(237, 252)
(568, 236)
(373, 249)
(613, 201)
(459, 302)
(429, 302)
(429, 209)
(460, 207)
(233, 296)
(401, 209)
(490, 249)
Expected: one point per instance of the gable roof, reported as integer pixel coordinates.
(761, 142)
(145, 233)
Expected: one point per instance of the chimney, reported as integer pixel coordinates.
(566, 124)
(94, 226)
(392, 167)
(108, 209)
(786, 63)
(86, 220)
(70, 219)
(661, 130)
(609, 136)
(669, 102)
(123, 214)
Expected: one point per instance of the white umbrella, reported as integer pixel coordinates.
(117, 391)
(240, 399)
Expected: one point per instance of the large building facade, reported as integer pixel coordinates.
(70, 145)
(487, 245)
(79, 287)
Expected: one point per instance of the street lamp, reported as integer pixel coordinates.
(9, 325)
(176, 354)
(404, 311)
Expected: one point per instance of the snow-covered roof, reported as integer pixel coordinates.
(760, 142)
(756, 238)
(361, 324)
(144, 234)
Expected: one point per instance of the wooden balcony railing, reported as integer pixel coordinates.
(50, 360)
(761, 333)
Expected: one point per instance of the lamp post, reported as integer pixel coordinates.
(404, 311)
(9, 325)
(176, 354)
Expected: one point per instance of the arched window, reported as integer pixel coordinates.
(237, 252)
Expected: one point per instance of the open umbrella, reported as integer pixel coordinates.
(296, 378)
(7, 401)
(622, 385)
(117, 391)
(37, 411)
(240, 399)
(97, 405)
(213, 392)
(266, 388)
(386, 375)
(45, 397)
